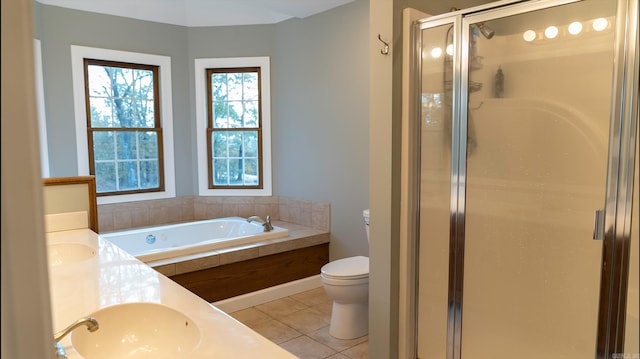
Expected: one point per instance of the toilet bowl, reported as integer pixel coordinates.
(346, 281)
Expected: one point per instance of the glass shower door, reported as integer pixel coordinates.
(537, 131)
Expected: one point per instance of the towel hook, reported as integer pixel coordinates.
(385, 50)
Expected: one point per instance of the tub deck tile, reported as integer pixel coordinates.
(299, 237)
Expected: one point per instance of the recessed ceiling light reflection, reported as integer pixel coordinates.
(436, 52)
(449, 50)
(575, 28)
(600, 24)
(551, 32)
(529, 35)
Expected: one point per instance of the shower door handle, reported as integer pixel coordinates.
(598, 224)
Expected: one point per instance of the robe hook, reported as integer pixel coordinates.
(385, 50)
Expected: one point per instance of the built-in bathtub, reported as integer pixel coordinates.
(183, 239)
(217, 269)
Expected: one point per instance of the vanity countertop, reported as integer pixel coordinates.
(112, 276)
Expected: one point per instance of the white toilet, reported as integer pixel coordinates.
(346, 281)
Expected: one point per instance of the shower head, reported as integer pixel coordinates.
(485, 30)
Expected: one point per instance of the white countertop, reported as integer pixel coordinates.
(114, 277)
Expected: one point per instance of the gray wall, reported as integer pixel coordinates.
(319, 74)
(321, 117)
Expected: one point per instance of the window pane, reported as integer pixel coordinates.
(235, 114)
(123, 112)
(220, 172)
(127, 175)
(127, 146)
(99, 81)
(144, 114)
(219, 87)
(220, 115)
(235, 172)
(250, 172)
(235, 144)
(250, 85)
(121, 79)
(250, 143)
(127, 94)
(234, 83)
(105, 177)
(148, 145)
(101, 115)
(149, 174)
(250, 114)
(219, 144)
(103, 146)
(142, 84)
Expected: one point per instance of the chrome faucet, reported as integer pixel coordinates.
(265, 223)
(90, 322)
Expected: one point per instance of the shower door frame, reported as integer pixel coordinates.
(620, 169)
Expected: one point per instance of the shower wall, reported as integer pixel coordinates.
(534, 177)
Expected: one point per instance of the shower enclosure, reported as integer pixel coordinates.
(523, 116)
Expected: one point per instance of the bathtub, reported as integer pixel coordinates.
(176, 240)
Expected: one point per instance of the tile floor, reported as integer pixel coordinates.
(300, 324)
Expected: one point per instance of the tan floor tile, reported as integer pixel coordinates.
(306, 321)
(281, 307)
(307, 348)
(325, 309)
(313, 297)
(250, 316)
(360, 351)
(300, 324)
(276, 331)
(338, 356)
(322, 335)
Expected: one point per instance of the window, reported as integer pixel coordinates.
(233, 126)
(123, 123)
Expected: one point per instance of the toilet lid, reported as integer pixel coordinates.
(347, 268)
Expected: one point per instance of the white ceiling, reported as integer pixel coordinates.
(204, 12)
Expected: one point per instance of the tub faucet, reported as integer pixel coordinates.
(265, 223)
(90, 322)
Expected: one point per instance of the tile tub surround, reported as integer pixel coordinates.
(115, 277)
(299, 237)
(129, 215)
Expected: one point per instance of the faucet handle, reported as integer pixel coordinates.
(267, 224)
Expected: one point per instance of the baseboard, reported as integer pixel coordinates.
(268, 294)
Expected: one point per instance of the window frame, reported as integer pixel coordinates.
(78, 55)
(202, 118)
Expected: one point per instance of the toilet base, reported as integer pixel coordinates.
(349, 321)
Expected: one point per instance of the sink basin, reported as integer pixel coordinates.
(65, 253)
(138, 330)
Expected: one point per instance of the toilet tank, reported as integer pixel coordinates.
(365, 214)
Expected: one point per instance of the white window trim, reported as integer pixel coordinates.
(78, 54)
(201, 119)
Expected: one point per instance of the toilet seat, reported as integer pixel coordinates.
(351, 268)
